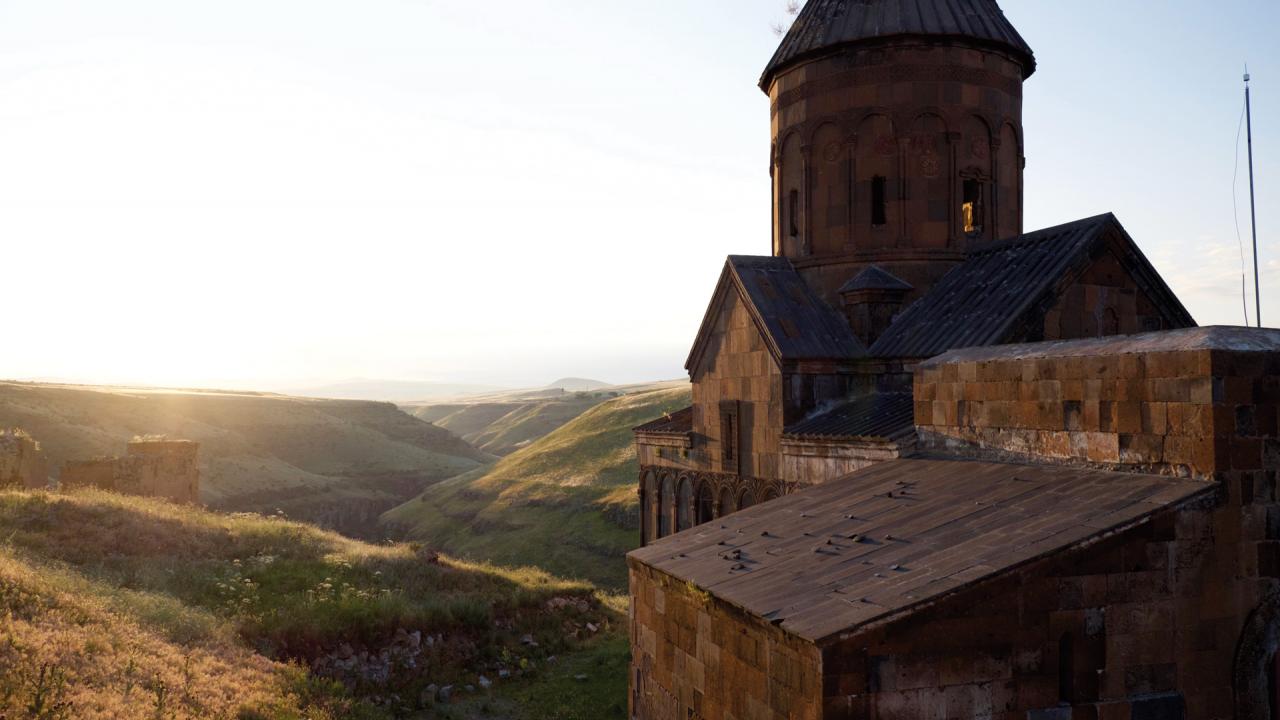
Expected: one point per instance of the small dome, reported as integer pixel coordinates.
(826, 24)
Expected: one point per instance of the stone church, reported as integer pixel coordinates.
(937, 467)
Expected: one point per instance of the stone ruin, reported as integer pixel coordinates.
(22, 462)
(152, 466)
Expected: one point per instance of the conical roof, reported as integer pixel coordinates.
(825, 24)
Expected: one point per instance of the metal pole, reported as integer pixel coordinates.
(1253, 212)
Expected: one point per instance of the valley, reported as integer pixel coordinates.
(501, 600)
(340, 463)
(565, 502)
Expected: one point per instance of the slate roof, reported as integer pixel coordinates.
(825, 24)
(876, 544)
(875, 277)
(881, 416)
(679, 422)
(796, 323)
(982, 301)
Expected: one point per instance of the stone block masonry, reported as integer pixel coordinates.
(696, 657)
(1198, 402)
(153, 467)
(22, 463)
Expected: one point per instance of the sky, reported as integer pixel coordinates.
(282, 193)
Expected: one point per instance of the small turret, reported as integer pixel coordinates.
(871, 300)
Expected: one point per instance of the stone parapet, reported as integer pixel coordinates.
(1196, 402)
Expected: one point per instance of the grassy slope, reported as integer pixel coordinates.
(257, 451)
(502, 423)
(567, 502)
(115, 607)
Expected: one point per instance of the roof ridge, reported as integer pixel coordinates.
(1042, 234)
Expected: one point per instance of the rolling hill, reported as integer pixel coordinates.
(502, 423)
(566, 502)
(125, 608)
(338, 462)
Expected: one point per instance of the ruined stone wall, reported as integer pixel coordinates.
(166, 468)
(97, 473)
(22, 463)
(695, 657)
(153, 468)
(1184, 412)
(738, 369)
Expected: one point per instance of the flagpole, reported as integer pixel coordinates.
(1253, 213)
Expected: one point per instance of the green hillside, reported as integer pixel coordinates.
(114, 607)
(335, 460)
(566, 502)
(501, 423)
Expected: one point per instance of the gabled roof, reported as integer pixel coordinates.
(875, 545)
(679, 422)
(875, 277)
(879, 416)
(796, 324)
(826, 24)
(983, 300)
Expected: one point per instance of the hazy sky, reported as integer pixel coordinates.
(273, 193)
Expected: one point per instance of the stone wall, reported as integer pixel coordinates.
(152, 468)
(1105, 300)
(167, 468)
(810, 462)
(22, 462)
(1177, 402)
(696, 657)
(738, 369)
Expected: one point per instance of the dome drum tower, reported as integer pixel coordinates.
(897, 138)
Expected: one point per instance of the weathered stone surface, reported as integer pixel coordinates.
(154, 467)
(22, 463)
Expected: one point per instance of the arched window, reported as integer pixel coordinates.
(684, 504)
(771, 493)
(706, 503)
(649, 508)
(666, 507)
(1066, 669)
(879, 201)
(745, 500)
(726, 502)
(972, 206)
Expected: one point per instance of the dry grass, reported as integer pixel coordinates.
(123, 607)
(73, 655)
